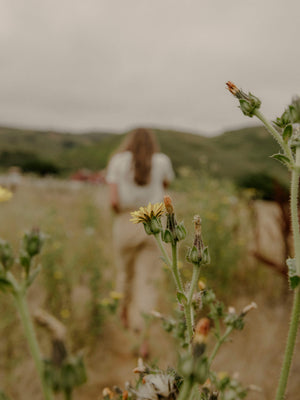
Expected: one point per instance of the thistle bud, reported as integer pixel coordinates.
(198, 254)
(248, 102)
(200, 337)
(168, 205)
(33, 241)
(155, 226)
(6, 255)
(174, 232)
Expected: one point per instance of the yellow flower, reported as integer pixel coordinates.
(116, 295)
(65, 313)
(145, 214)
(58, 275)
(5, 194)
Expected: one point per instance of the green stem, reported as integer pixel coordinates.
(189, 323)
(175, 269)
(219, 343)
(294, 216)
(163, 251)
(68, 394)
(295, 315)
(194, 281)
(21, 305)
(275, 134)
(290, 345)
(186, 390)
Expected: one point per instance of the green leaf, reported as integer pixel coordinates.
(181, 298)
(287, 133)
(281, 158)
(5, 284)
(293, 277)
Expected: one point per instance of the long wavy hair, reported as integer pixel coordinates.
(142, 144)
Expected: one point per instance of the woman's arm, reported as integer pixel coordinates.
(114, 197)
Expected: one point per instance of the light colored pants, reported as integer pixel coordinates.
(139, 268)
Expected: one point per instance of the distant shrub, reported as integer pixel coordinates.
(40, 167)
(266, 187)
(15, 158)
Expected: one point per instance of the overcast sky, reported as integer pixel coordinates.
(116, 64)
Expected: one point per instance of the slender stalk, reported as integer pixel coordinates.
(294, 215)
(163, 251)
(275, 134)
(290, 345)
(194, 281)
(189, 323)
(295, 314)
(68, 394)
(175, 269)
(220, 341)
(186, 390)
(21, 305)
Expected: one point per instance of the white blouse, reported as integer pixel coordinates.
(131, 195)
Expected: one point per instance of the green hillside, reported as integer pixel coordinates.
(230, 155)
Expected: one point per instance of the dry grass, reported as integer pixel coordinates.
(78, 221)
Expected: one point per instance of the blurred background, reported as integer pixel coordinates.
(75, 78)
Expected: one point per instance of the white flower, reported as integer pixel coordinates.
(156, 387)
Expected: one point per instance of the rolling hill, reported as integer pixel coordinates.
(230, 155)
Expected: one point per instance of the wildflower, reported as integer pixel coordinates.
(65, 313)
(249, 307)
(248, 102)
(156, 386)
(145, 214)
(174, 231)
(5, 194)
(198, 254)
(201, 284)
(107, 393)
(150, 217)
(141, 368)
(115, 295)
(200, 337)
(58, 275)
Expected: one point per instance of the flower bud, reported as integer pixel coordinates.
(198, 254)
(6, 255)
(168, 205)
(166, 236)
(201, 285)
(180, 231)
(248, 102)
(155, 226)
(33, 241)
(203, 326)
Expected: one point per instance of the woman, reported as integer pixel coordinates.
(137, 175)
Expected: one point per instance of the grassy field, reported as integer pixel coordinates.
(78, 273)
(249, 148)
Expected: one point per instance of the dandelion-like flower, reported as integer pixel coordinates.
(157, 386)
(145, 214)
(5, 194)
